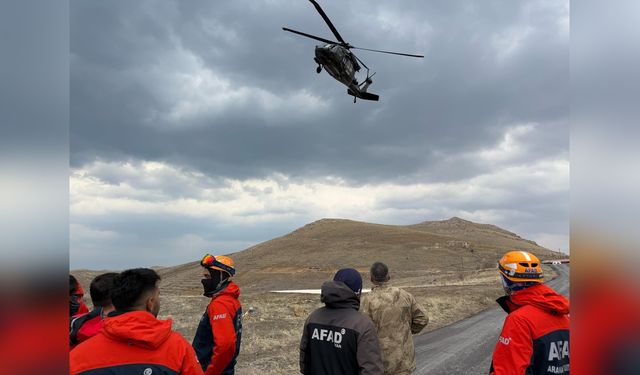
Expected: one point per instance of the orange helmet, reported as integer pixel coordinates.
(520, 267)
(220, 263)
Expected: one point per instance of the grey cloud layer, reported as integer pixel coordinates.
(458, 98)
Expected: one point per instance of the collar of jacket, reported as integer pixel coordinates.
(380, 285)
(138, 328)
(506, 304)
(540, 296)
(232, 289)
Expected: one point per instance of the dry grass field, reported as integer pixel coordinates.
(449, 266)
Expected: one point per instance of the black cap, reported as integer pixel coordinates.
(379, 272)
(351, 277)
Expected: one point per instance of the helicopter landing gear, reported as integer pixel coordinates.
(354, 99)
(319, 69)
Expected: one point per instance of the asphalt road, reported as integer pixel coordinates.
(465, 347)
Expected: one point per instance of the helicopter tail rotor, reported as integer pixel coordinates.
(369, 76)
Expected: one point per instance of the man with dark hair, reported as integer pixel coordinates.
(88, 325)
(100, 289)
(337, 339)
(133, 340)
(396, 315)
(76, 304)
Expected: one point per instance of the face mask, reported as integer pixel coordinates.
(216, 283)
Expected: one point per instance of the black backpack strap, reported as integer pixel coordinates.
(78, 322)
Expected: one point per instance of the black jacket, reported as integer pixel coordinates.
(337, 339)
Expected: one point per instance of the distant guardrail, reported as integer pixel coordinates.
(556, 261)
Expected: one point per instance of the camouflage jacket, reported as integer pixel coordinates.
(396, 315)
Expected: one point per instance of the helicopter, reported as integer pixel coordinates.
(342, 64)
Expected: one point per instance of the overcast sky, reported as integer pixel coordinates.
(201, 126)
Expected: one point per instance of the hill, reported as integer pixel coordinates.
(482, 236)
(312, 253)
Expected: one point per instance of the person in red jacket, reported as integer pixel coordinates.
(535, 335)
(84, 326)
(76, 304)
(133, 340)
(217, 339)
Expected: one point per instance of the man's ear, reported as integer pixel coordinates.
(148, 303)
(150, 300)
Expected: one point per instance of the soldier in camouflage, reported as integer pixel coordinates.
(396, 315)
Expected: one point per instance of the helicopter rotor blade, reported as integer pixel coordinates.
(392, 53)
(363, 64)
(310, 36)
(326, 19)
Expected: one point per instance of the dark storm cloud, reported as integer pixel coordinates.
(461, 97)
(250, 143)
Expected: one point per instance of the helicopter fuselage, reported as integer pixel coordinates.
(339, 62)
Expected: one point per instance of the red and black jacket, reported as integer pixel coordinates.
(84, 326)
(134, 343)
(535, 336)
(217, 340)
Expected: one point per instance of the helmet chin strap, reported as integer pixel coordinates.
(512, 286)
(506, 285)
(221, 285)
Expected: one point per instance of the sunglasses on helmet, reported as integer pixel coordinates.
(209, 261)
